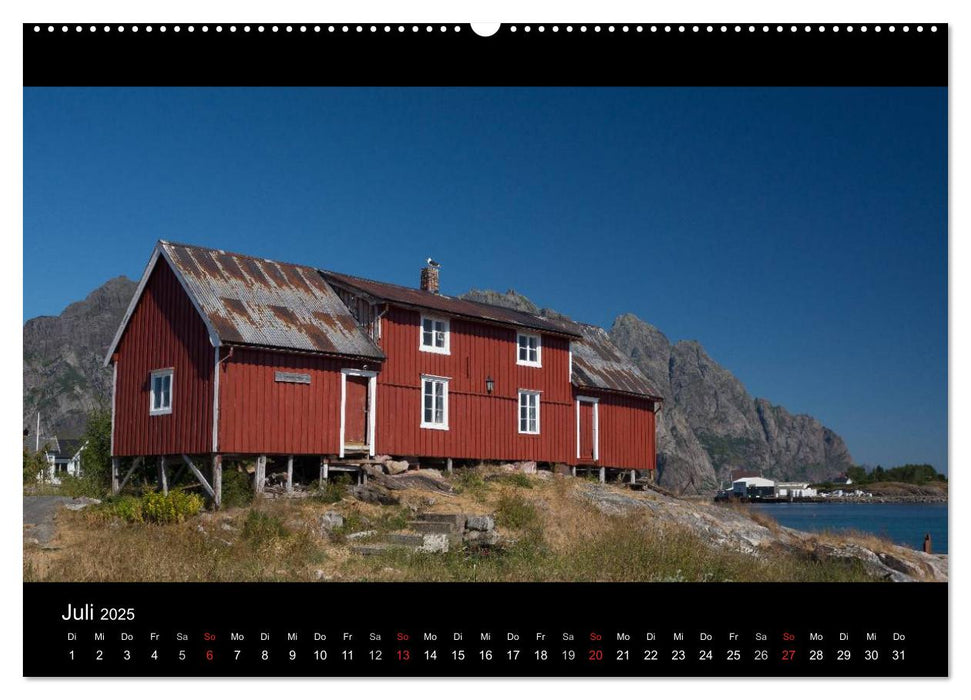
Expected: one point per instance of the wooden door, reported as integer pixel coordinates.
(587, 435)
(356, 410)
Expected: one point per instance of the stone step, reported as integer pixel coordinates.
(400, 539)
(458, 519)
(435, 527)
(370, 549)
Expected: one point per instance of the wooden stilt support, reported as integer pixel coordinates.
(217, 479)
(448, 465)
(135, 462)
(163, 478)
(290, 474)
(201, 479)
(260, 477)
(324, 469)
(603, 475)
(114, 476)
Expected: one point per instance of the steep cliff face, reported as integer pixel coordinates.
(63, 355)
(683, 464)
(733, 429)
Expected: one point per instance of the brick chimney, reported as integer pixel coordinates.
(429, 279)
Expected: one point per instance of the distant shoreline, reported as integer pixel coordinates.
(861, 500)
(880, 492)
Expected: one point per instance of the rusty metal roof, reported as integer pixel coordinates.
(254, 301)
(452, 306)
(599, 364)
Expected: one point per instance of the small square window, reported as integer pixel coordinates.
(529, 350)
(160, 399)
(529, 412)
(434, 335)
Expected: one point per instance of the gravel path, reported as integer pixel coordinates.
(40, 513)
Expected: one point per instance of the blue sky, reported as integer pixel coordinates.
(799, 234)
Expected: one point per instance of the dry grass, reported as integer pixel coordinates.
(754, 514)
(864, 539)
(550, 535)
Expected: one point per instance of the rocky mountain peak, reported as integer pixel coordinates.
(63, 355)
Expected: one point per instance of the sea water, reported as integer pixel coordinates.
(903, 523)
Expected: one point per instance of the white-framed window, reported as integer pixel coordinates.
(160, 393)
(529, 350)
(434, 402)
(529, 412)
(434, 335)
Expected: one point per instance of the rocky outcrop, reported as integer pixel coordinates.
(725, 527)
(63, 374)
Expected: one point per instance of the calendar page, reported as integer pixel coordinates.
(537, 350)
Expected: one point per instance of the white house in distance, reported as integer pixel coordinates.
(792, 489)
(753, 486)
(63, 458)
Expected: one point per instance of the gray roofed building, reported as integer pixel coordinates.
(599, 364)
(455, 306)
(253, 301)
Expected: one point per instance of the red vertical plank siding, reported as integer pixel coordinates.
(259, 415)
(481, 426)
(164, 331)
(626, 431)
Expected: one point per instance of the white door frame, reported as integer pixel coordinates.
(596, 424)
(372, 388)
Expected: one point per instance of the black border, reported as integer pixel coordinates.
(403, 613)
(438, 55)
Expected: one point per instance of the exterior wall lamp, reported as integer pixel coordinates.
(490, 384)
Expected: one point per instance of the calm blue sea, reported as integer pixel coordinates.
(903, 523)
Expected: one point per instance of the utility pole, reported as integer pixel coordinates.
(37, 435)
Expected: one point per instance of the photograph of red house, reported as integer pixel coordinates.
(227, 356)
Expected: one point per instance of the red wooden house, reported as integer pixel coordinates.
(223, 355)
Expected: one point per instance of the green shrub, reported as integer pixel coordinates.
(260, 528)
(517, 479)
(34, 465)
(333, 491)
(516, 512)
(76, 486)
(96, 456)
(172, 508)
(393, 519)
(237, 490)
(127, 508)
(470, 481)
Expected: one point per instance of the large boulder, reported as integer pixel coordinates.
(396, 466)
(481, 539)
(482, 523)
(330, 521)
(434, 543)
(372, 469)
(374, 493)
